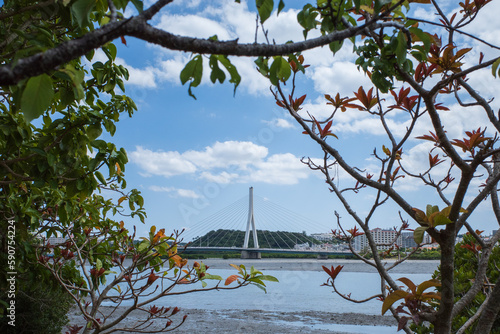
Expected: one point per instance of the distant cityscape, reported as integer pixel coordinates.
(384, 238)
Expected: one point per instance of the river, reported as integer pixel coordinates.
(299, 294)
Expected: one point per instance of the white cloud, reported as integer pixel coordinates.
(193, 26)
(176, 192)
(170, 68)
(221, 178)
(228, 153)
(161, 163)
(139, 77)
(339, 77)
(280, 169)
(211, 18)
(223, 163)
(280, 123)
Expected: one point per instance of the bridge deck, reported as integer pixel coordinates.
(269, 250)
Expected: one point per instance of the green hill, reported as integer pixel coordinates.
(267, 239)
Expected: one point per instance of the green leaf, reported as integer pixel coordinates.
(268, 278)
(193, 72)
(423, 36)
(63, 214)
(494, 67)
(38, 151)
(260, 287)
(280, 70)
(139, 5)
(401, 48)
(233, 72)
(94, 131)
(336, 46)
(262, 65)
(143, 246)
(264, 7)
(418, 234)
(81, 11)
(257, 281)
(217, 74)
(307, 18)
(392, 298)
(100, 177)
(281, 6)
(37, 96)
(440, 219)
(110, 51)
(430, 209)
(98, 264)
(381, 82)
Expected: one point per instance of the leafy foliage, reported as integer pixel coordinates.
(59, 177)
(56, 171)
(410, 69)
(467, 256)
(415, 300)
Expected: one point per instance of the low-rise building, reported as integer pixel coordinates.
(322, 236)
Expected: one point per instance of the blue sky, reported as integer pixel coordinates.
(191, 158)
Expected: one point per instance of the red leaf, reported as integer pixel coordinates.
(231, 279)
(439, 106)
(434, 160)
(354, 232)
(453, 17)
(152, 277)
(333, 272)
(123, 40)
(433, 137)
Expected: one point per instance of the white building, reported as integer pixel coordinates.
(386, 239)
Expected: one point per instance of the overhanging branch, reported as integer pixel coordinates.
(44, 62)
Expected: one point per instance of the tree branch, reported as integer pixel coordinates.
(137, 26)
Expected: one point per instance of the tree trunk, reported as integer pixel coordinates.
(442, 324)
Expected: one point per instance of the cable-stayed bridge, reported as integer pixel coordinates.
(254, 225)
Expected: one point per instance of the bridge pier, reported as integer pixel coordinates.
(247, 254)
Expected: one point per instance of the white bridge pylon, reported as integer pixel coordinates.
(251, 222)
